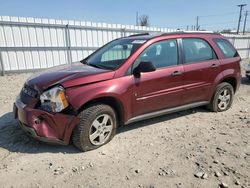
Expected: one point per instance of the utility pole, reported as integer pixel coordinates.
(245, 22)
(137, 19)
(197, 23)
(241, 7)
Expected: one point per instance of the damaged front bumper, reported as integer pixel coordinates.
(44, 126)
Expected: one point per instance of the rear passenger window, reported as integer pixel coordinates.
(226, 47)
(196, 50)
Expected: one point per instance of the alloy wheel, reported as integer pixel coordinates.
(101, 129)
(224, 99)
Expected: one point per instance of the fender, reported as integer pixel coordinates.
(226, 74)
(119, 89)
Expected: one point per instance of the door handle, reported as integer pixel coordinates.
(176, 73)
(215, 65)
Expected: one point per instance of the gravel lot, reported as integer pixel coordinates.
(193, 148)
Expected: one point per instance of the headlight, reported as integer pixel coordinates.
(54, 100)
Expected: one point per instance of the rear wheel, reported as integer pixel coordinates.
(97, 127)
(223, 98)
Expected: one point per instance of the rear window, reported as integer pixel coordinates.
(226, 47)
(197, 50)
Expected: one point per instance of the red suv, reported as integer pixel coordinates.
(127, 80)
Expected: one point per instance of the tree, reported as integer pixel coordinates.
(144, 20)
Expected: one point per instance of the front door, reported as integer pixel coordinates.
(162, 88)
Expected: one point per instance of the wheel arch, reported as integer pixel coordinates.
(113, 102)
(231, 80)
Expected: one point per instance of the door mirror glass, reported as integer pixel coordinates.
(144, 66)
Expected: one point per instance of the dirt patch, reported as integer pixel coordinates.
(193, 148)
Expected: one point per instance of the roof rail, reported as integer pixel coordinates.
(140, 34)
(190, 32)
(199, 32)
(171, 33)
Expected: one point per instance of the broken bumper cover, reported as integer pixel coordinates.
(44, 126)
(33, 134)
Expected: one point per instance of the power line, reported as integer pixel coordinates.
(216, 15)
(216, 23)
(198, 25)
(212, 15)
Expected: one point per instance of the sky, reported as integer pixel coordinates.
(213, 14)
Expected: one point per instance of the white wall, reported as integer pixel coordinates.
(32, 43)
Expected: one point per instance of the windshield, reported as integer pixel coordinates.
(113, 54)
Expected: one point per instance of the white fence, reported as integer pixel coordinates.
(30, 43)
(241, 43)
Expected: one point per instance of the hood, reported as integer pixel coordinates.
(68, 76)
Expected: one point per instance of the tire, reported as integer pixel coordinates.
(223, 89)
(95, 120)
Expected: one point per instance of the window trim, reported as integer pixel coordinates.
(113, 56)
(215, 40)
(194, 62)
(179, 57)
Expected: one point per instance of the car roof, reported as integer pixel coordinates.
(148, 36)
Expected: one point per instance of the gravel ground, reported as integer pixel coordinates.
(193, 148)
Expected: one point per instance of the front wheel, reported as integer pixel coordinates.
(223, 98)
(98, 124)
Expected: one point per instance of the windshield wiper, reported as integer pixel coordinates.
(96, 66)
(84, 61)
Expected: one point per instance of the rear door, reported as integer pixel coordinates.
(201, 67)
(162, 88)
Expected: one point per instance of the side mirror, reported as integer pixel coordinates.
(144, 66)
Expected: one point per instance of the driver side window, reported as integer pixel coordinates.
(118, 52)
(161, 54)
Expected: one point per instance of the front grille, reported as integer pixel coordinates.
(27, 94)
